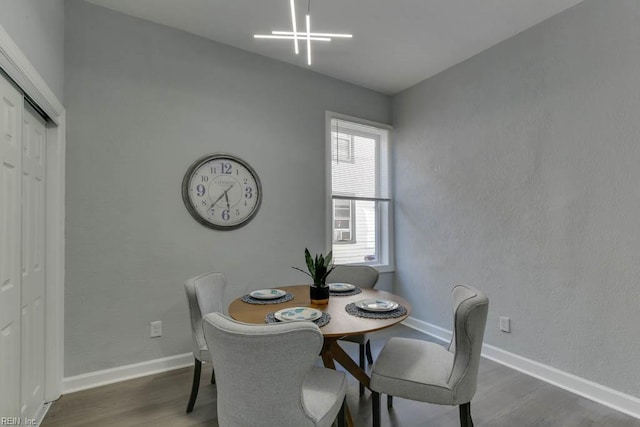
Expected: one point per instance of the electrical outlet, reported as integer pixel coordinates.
(505, 324)
(156, 329)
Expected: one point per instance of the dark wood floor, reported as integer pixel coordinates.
(505, 398)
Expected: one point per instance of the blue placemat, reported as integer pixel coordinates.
(355, 311)
(251, 300)
(323, 320)
(354, 291)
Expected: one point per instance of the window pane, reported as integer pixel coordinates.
(362, 245)
(365, 174)
(343, 224)
(343, 147)
(342, 221)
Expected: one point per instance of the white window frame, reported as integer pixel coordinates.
(385, 261)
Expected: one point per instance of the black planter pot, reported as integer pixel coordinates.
(319, 295)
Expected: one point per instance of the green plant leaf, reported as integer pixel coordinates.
(324, 278)
(309, 261)
(296, 268)
(327, 260)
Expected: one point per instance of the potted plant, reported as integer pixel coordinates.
(319, 268)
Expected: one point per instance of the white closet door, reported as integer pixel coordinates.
(33, 284)
(10, 247)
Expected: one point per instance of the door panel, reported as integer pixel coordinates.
(10, 247)
(33, 280)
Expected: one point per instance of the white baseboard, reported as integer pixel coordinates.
(126, 372)
(42, 412)
(614, 399)
(607, 396)
(436, 332)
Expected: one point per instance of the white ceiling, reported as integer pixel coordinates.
(396, 43)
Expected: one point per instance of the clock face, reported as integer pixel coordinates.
(221, 191)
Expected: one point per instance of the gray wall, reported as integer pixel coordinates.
(37, 27)
(517, 171)
(143, 102)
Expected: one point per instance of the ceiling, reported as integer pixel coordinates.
(396, 44)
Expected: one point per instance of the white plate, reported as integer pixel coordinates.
(267, 294)
(377, 305)
(297, 314)
(341, 287)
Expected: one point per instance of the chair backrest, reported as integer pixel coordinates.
(205, 295)
(470, 308)
(363, 276)
(260, 370)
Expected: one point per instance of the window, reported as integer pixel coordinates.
(343, 221)
(343, 151)
(360, 192)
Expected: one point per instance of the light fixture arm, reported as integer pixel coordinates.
(294, 25)
(308, 32)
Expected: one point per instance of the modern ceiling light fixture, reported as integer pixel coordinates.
(296, 36)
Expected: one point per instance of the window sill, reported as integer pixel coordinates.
(384, 268)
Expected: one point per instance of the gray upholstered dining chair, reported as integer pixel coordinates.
(363, 276)
(205, 295)
(266, 375)
(428, 372)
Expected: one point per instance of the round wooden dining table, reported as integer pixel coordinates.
(342, 324)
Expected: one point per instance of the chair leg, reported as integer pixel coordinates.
(362, 351)
(342, 415)
(389, 401)
(375, 403)
(213, 376)
(369, 356)
(195, 385)
(465, 415)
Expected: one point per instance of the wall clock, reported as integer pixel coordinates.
(221, 191)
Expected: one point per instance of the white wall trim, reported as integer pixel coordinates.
(599, 393)
(614, 399)
(17, 66)
(126, 372)
(55, 258)
(42, 412)
(436, 332)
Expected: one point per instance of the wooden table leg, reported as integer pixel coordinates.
(340, 356)
(327, 357)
